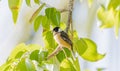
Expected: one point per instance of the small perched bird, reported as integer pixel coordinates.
(62, 39)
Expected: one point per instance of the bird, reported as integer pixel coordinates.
(62, 39)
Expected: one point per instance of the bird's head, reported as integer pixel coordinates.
(56, 29)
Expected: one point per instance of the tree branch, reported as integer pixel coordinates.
(54, 52)
(70, 15)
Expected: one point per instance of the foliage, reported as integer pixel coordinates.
(34, 57)
(110, 16)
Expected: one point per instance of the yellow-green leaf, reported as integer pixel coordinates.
(37, 1)
(53, 15)
(45, 23)
(22, 48)
(107, 18)
(114, 4)
(36, 13)
(14, 6)
(67, 65)
(37, 22)
(90, 2)
(25, 65)
(49, 40)
(28, 2)
(80, 45)
(91, 53)
(61, 55)
(117, 22)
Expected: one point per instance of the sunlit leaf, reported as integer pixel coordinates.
(37, 1)
(6, 66)
(21, 49)
(107, 18)
(53, 15)
(56, 18)
(25, 65)
(80, 46)
(37, 22)
(42, 56)
(28, 2)
(61, 55)
(14, 6)
(17, 49)
(77, 64)
(91, 53)
(49, 40)
(45, 23)
(62, 26)
(101, 69)
(66, 65)
(19, 54)
(34, 55)
(90, 2)
(114, 4)
(117, 23)
(36, 13)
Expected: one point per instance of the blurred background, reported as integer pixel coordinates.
(85, 22)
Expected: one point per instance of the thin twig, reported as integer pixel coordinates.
(54, 52)
(70, 15)
(47, 5)
(61, 10)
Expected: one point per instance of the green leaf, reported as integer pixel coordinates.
(80, 45)
(20, 49)
(42, 56)
(107, 18)
(19, 54)
(61, 55)
(6, 66)
(62, 25)
(66, 65)
(37, 22)
(117, 23)
(36, 13)
(45, 23)
(28, 2)
(34, 55)
(37, 1)
(56, 18)
(49, 40)
(114, 4)
(53, 15)
(91, 53)
(25, 65)
(77, 64)
(39, 56)
(101, 69)
(90, 2)
(14, 6)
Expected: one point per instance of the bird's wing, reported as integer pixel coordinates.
(65, 37)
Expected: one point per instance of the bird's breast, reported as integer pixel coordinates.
(60, 41)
